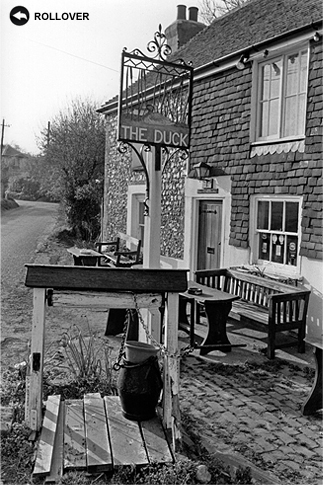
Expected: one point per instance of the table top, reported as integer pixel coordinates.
(83, 252)
(208, 293)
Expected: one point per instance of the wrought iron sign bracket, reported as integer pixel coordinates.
(183, 154)
(122, 148)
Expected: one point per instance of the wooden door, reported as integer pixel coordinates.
(209, 234)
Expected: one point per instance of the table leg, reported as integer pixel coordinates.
(184, 324)
(217, 314)
(314, 401)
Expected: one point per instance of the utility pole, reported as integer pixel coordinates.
(48, 133)
(3, 125)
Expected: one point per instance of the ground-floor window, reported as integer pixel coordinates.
(276, 230)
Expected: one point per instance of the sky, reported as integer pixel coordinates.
(47, 63)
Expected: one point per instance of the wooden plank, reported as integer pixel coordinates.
(106, 278)
(46, 443)
(56, 471)
(105, 301)
(37, 359)
(155, 441)
(171, 378)
(125, 436)
(97, 442)
(74, 436)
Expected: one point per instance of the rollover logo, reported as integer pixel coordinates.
(20, 16)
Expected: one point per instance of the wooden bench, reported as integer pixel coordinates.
(265, 304)
(125, 251)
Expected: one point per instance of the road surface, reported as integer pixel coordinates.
(22, 230)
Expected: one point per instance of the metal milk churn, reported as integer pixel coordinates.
(139, 382)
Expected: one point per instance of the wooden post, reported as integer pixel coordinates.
(152, 238)
(171, 382)
(37, 360)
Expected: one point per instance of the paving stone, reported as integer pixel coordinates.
(216, 407)
(285, 438)
(302, 450)
(304, 440)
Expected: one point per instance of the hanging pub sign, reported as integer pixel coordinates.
(155, 97)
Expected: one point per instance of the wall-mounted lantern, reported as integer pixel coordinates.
(200, 171)
(203, 171)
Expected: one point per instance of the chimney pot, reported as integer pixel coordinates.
(193, 13)
(181, 12)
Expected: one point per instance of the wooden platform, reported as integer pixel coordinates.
(93, 435)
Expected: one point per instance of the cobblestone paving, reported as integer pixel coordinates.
(255, 411)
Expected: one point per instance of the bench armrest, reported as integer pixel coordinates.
(288, 307)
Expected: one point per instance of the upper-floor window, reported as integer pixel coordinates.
(281, 97)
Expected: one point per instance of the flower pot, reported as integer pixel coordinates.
(136, 352)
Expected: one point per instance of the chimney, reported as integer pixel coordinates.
(182, 30)
(181, 12)
(193, 14)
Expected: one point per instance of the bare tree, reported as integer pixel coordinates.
(75, 147)
(212, 9)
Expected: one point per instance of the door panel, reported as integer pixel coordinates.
(209, 234)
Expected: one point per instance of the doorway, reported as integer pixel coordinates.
(209, 234)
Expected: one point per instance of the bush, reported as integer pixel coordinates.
(83, 210)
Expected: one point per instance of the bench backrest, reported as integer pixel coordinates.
(131, 243)
(251, 288)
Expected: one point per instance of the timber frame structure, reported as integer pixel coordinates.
(89, 287)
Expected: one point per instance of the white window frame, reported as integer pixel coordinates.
(136, 194)
(273, 267)
(258, 63)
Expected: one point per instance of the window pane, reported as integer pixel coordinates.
(265, 85)
(276, 216)
(292, 245)
(264, 240)
(264, 116)
(291, 217)
(141, 209)
(277, 242)
(292, 75)
(291, 117)
(274, 118)
(276, 70)
(263, 215)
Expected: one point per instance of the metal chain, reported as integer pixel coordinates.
(183, 352)
(117, 365)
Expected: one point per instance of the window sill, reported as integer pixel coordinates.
(277, 147)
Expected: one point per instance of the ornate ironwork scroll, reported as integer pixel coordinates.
(155, 97)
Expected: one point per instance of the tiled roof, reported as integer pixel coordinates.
(255, 22)
(9, 151)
